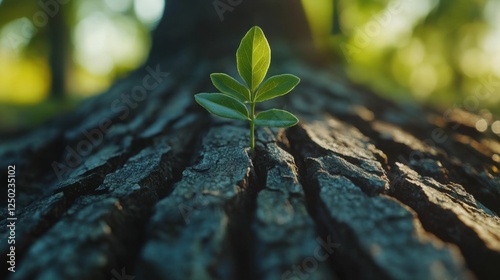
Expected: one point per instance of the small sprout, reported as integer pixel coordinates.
(253, 58)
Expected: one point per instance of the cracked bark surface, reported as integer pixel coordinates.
(362, 188)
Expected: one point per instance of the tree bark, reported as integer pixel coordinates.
(141, 181)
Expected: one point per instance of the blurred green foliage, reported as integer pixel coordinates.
(437, 52)
(97, 41)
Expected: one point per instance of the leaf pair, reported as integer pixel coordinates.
(225, 106)
(253, 58)
(230, 103)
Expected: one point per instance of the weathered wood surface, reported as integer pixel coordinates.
(362, 188)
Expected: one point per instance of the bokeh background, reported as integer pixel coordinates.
(444, 54)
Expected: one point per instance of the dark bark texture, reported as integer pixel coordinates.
(142, 182)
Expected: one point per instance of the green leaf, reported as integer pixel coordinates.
(276, 118)
(276, 86)
(226, 84)
(223, 105)
(253, 57)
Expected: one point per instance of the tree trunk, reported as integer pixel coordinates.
(142, 182)
(58, 53)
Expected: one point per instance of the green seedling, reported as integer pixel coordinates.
(253, 58)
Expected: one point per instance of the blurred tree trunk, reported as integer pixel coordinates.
(58, 40)
(141, 181)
